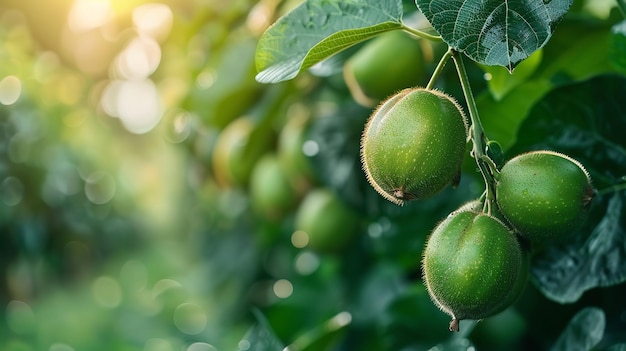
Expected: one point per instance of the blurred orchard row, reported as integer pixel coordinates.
(154, 196)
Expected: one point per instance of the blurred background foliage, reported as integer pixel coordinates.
(153, 196)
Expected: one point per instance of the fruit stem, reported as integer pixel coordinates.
(421, 34)
(454, 325)
(439, 68)
(612, 189)
(477, 133)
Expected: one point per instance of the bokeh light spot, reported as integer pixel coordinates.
(178, 125)
(310, 148)
(89, 14)
(163, 285)
(20, 317)
(306, 263)
(10, 90)
(154, 20)
(158, 345)
(190, 318)
(244, 345)
(206, 78)
(201, 346)
(100, 187)
(136, 103)
(299, 239)
(11, 191)
(283, 288)
(107, 292)
(139, 59)
(60, 347)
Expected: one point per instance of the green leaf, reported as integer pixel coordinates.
(261, 337)
(577, 51)
(501, 82)
(454, 344)
(317, 29)
(586, 121)
(617, 49)
(583, 332)
(495, 32)
(323, 336)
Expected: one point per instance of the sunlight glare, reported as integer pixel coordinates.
(86, 15)
(10, 90)
(139, 59)
(136, 103)
(154, 20)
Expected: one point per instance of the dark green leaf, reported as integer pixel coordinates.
(495, 32)
(618, 46)
(316, 30)
(583, 332)
(501, 82)
(457, 344)
(564, 273)
(577, 51)
(586, 121)
(617, 347)
(261, 337)
(324, 336)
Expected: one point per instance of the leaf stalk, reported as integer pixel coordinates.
(421, 34)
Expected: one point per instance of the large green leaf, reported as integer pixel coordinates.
(618, 46)
(261, 337)
(577, 51)
(495, 32)
(583, 332)
(317, 29)
(586, 121)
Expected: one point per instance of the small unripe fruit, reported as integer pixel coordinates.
(233, 155)
(545, 195)
(270, 191)
(413, 145)
(290, 149)
(385, 65)
(328, 223)
(471, 264)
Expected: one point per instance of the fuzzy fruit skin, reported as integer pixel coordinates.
(471, 263)
(413, 145)
(545, 195)
(521, 280)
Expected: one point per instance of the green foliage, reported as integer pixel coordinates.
(591, 321)
(118, 238)
(567, 120)
(495, 32)
(318, 29)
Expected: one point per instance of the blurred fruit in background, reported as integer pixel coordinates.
(154, 196)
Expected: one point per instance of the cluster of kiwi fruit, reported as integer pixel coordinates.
(476, 261)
